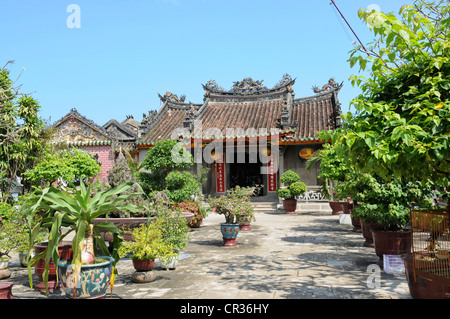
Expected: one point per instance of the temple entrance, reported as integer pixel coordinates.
(246, 174)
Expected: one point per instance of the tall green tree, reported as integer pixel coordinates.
(23, 134)
(401, 124)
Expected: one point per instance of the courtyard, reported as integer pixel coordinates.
(310, 255)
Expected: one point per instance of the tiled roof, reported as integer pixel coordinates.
(312, 115)
(169, 118)
(244, 115)
(262, 109)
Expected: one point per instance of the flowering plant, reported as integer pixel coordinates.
(199, 210)
(235, 206)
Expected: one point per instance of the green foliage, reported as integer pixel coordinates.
(401, 124)
(182, 186)
(388, 203)
(68, 165)
(165, 156)
(24, 136)
(120, 174)
(75, 212)
(294, 186)
(289, 177)
(148, 243)
(235, 206)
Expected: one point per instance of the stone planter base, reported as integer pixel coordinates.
(142, 277)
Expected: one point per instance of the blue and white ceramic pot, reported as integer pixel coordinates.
(92, 282)
(229, 233)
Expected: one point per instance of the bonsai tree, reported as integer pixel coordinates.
(234, 206)
(182, 186)
(74, 212)
(65, 166)
(400, 128)
(159, 162)
(294, 186)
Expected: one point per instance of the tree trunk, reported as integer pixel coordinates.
(87, 254)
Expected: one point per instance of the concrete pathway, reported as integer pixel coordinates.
(304, 256)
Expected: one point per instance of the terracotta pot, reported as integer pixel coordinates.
(391, 243)
(337, 207)
(143, 264)
(64, 252)
(348, 208)
(289, 206)
(424, 285)
(245, 226)
(367, 234)
(5, 290)
(356, 222)
(196, 224)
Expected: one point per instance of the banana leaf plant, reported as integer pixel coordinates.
(67, 212)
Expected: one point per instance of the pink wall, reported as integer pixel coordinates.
(105, 156)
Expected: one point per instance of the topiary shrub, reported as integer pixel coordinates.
(294, 186)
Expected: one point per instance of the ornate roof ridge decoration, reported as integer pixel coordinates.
(119, 126)
(248, 86)
(330, 86)
(73, 112)
(170, 97)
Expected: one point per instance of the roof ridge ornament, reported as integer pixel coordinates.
(169, 96)
(248, 86)
(330, 86)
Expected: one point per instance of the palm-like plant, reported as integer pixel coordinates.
(75, 212)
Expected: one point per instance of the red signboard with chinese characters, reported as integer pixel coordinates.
(220, 177)
(272, 176)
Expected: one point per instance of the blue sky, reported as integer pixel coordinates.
(126, 52)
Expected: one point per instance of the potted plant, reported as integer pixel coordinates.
(199, 210)
(384, 208)
(234, 209)
(244, 205)
(74, 211)
(293, 189)
(147, 245)
(175, 233)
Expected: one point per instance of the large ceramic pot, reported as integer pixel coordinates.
(356, 223)
(229, 234)
(143, 264)
(64, 251)
(129, 223)
(289, 206)
(6, 290)
(424, 285)
(348, 208)
(367, 234)
(337, 208)
(92, 282)
(391, 243)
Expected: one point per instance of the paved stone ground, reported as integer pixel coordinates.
(303, 256)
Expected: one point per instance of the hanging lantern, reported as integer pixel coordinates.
(266, 151)
(306, 153)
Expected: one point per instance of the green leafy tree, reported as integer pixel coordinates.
(23, 134)
(164, 157)
(401, 124)
(68, 165)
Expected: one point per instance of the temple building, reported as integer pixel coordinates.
(247, 135)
